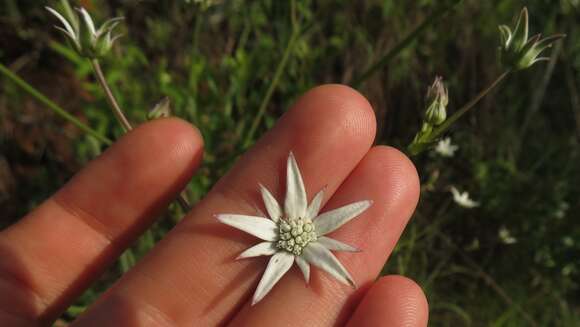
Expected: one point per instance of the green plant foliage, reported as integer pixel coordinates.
(220, 63)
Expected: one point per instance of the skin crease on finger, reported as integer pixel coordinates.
(191, 277)
(384, 175)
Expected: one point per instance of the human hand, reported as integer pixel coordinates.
(190, 278)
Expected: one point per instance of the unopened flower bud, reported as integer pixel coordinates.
(517, 51)
(80, 30)
(161, 110)
(437, 100)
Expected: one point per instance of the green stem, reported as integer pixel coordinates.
(276, 79)
(384, 60)
(445, 126)
(123, 119)
(51, 105)
(110, 97)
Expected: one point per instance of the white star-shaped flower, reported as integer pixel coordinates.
(445, 148)
(296, 233)
(462, 198)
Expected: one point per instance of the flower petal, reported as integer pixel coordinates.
(332, 220)
(314, 206)
(296, 202)
(257, 226)
(264, 248)
(279, 264)
(63, 20)
(88, 21)
(335, 245)
(271, 204)
(304, 267)
(322, 258)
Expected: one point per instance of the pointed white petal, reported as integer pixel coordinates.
(63, 20)
(304, 267)
(296, 202)
(322, 258)
(264, 248)
(88, 21)
(67, 33)
(279, 264)
(335, 245)
(331, 220)
(314, 206)
(271, 204)
(257, 226)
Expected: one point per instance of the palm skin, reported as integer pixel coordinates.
(190, 278)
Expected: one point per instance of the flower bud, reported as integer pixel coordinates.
(161, 110)
(80, 29)
(517, 51)
(437, 100)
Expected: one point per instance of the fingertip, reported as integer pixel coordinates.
(399, 173)
(179, 138)
(348, 111)
(392, 301)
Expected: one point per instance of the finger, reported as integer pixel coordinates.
(52, 254)
(384, 176)
(191, 278)
(392, 301)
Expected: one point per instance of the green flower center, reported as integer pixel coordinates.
(295, 234)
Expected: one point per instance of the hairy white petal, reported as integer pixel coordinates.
(264, 248)
(63, 20)
(271, 204)
(279, 264)
(314, 206)
(322, 258)
(260, 227)
(88, 21)
(304, 267)
(296, 201)
(335, 245)
(332, 220)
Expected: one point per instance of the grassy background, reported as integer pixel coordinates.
(518, 156)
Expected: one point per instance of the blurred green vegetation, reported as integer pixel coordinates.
(223, 66)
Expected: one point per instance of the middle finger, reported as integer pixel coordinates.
(191, 276)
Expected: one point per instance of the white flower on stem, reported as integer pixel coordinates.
(80, 30)
(505, 236)
(445, 148)
(463, 199)
(296, 233)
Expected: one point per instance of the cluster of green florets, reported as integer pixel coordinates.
(295, 234)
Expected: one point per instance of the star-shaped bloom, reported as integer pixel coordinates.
(296, 233)
(445, 148)
(462, 198)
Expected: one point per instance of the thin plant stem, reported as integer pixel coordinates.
(181, 199)
(445, 126)
(52, 106)
(110, 97)
(276, 79)
(384, 60)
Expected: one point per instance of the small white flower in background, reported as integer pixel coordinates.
(462, 198)
(295, 233)
(80, 29)
(563, 207)
(505, 236)
(445, 148)
(568, 241)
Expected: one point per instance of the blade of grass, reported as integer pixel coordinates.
(276, 79)
(384, 60)
(51, 105)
